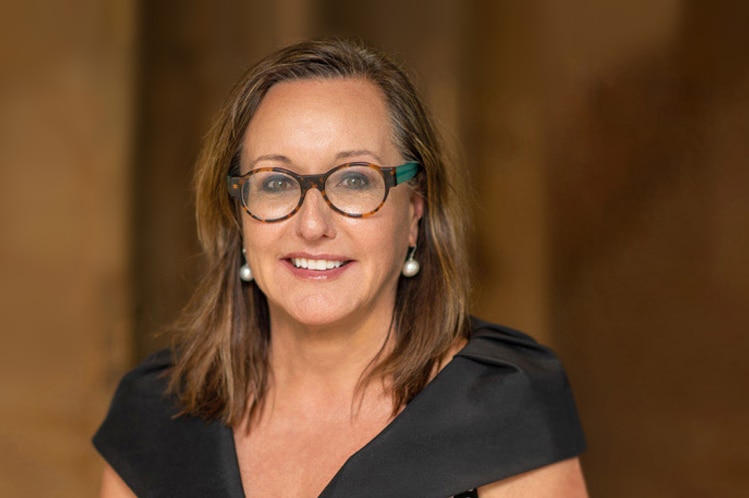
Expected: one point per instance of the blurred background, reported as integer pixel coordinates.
(606, 143)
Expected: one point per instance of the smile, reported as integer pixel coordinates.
(316, 264)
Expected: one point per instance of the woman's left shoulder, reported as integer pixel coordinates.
(510, 351)
(520, 404)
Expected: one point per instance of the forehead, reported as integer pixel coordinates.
(316, 98)
(319, 112)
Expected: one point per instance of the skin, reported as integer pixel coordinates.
(327, 327)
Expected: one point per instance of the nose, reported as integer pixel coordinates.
(315, 218)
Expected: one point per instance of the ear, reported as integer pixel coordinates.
(416, 211)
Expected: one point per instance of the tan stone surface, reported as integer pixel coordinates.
(64, 313)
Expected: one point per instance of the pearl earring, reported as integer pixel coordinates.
(411, 267)
(245, 273)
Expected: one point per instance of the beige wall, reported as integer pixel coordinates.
(605, 141)
(649, 218)
(65, 115)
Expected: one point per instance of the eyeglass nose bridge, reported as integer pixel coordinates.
(309, 182)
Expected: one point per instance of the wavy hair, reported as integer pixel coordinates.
(222, 338)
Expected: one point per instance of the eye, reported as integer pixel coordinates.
(277, 184)
(354, 181)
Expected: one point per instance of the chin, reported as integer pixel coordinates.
(315, 313)
(328, 306)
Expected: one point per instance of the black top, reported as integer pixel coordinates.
(502, 406)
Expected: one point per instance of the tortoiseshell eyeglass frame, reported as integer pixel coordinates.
(393, 176)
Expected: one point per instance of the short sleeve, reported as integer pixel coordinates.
(158, 454)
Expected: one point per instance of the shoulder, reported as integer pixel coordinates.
(155, 451)
(145, 384)
(521, 397)
(497, 344)
(139, 410)
(139, 401)
(517, 358)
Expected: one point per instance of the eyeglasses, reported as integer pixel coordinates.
(356, 190)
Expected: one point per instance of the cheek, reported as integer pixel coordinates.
(407, 213)
(256, 240)
(393, 237)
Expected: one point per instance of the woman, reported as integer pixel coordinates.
(329, 350)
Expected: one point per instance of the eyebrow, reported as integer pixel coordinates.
(361, 152)
(340, 156)
(270, 157)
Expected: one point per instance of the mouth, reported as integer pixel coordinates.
(317, 264)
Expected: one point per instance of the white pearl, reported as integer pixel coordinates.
(245, 273)
(410, 268)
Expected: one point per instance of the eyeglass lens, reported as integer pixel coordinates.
(354, 190)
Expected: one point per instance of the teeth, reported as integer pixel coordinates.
(315, 264)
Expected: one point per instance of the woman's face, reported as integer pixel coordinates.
(310, 126)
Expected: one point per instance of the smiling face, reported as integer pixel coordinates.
(319, 267)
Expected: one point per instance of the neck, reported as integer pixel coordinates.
(325, 361)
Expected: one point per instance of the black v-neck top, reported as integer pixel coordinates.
(500, 407)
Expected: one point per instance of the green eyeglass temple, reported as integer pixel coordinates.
(405, 172)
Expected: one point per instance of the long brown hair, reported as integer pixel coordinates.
(221, 340)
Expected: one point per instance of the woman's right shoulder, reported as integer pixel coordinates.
(157, 451)
(142, 392)
(150, 377)
(136, 424)
(140, 409)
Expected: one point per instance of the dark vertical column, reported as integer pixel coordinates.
(505, 147)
